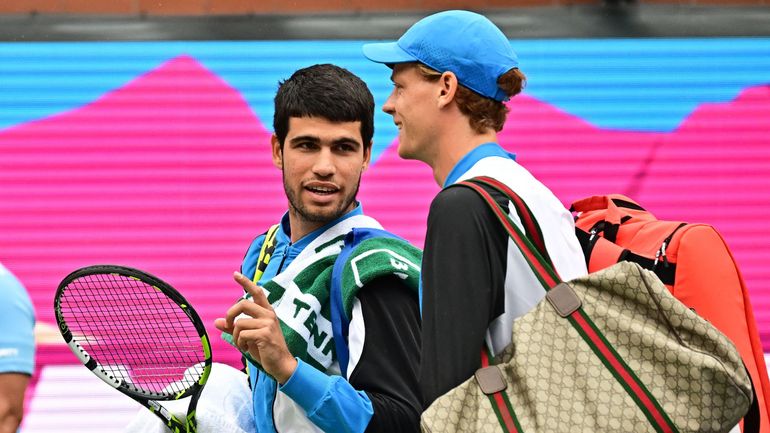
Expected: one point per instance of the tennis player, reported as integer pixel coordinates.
(322, 144)
(452, 74)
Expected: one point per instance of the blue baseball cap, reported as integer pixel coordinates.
(463, 42)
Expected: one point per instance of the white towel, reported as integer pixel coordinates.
(224, 407)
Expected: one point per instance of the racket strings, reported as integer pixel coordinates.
(135, 332)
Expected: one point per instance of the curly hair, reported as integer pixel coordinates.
(483, 113)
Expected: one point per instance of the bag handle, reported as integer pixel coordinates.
(613, 204)
(600, 202)
(577, 317)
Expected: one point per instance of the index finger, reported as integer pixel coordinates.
(257, 295)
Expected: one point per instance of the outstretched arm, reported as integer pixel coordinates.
(12, 387)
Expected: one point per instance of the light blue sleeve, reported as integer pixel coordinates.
(17, 319)
(330, 402)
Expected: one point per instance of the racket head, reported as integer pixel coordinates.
(134, 331)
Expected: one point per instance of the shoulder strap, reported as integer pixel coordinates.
(340, 320)
(531, 227)
(540, 265)
(268, 246)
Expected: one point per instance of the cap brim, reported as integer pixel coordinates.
(387, 52)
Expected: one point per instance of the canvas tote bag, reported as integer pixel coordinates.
(610, 352)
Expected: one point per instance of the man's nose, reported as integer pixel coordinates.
(324, 164)
(388, 106)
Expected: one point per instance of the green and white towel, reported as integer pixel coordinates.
(300, 294)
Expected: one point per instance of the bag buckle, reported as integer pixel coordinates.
(490, 380)
(563, 299)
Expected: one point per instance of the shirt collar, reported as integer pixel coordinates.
(471, 158)
(285, 231)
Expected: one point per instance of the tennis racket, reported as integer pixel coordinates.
(137, 334)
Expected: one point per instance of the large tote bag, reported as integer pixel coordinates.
(610, 352)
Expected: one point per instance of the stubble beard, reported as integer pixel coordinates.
(297, 207)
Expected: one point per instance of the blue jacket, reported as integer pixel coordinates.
(328, 400)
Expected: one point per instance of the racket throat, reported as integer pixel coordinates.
(155, 407)
(173, 424)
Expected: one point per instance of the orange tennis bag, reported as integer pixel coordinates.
(692, 260)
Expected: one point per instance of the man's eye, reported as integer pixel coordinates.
(345, 148)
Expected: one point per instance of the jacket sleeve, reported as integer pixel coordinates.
(388, 368)
(463, 278)
(382, 393)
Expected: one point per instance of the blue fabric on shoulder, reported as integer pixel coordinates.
(340, 320)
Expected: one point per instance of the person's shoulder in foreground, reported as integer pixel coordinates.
(452, 74)
(17, 349)
(322, 143)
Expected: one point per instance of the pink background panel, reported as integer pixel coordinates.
(172, 174)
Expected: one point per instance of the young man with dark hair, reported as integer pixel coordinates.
(322, 143)
(452, 73)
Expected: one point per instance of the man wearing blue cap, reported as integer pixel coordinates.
(452, 73)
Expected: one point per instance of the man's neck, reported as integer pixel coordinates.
(300, 227)
(452, 148)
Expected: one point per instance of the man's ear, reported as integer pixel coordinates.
(447, 88)
(277, 152)
(367, 156)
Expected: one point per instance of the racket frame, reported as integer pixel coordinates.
(146, 398)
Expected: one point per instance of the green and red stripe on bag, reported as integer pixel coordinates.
(611, 351)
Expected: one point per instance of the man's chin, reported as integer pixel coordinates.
(321, 214)
(404, 151)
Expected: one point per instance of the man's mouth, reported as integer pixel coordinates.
(322, 189)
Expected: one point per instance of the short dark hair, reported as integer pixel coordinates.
(326, 91)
